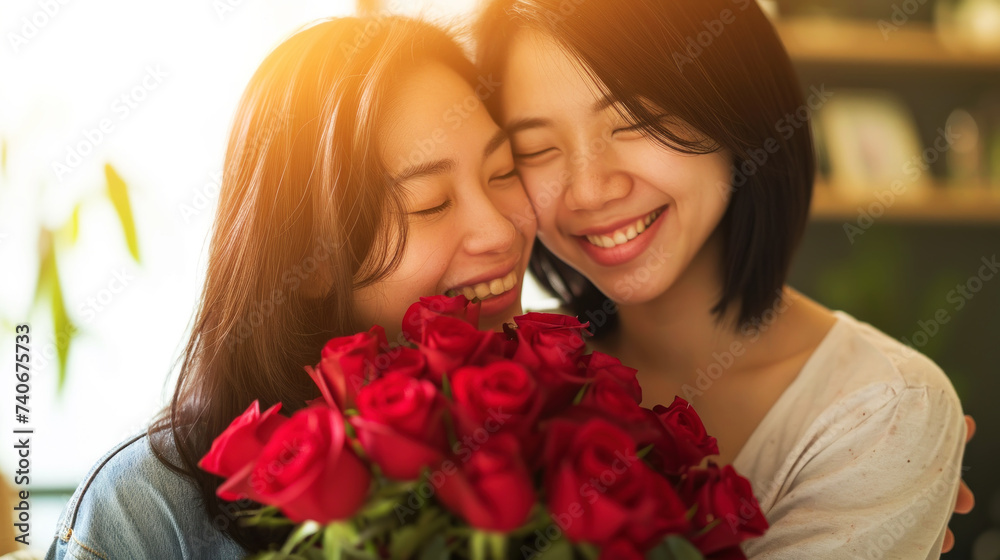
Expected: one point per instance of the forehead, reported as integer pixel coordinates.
(430, 110)
(541, 72)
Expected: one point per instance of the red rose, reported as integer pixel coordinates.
(493, 489)
(723, 496)
(499, 396)
(240, 444)
(401, 360)
(598, 365)
(600, 491)
(550, 346)
(400, 425)
(615, 402)
(682, 440)
(548, 341)
(346, 365)
(621, 550)
(417, 315)
(450, 343)
(307, 470)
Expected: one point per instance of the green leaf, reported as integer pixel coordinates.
(75, 224)
(435, 549)
(49, 287)
(445, 386)
(645, 451)
(332, 545)
(498, 545)
(579, 395)
(682, 549)
(560, 549)
(477, 545)
(300, 534)
(118, 193)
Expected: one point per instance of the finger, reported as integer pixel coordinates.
(949, 542)
(970, 428)
(966, 500)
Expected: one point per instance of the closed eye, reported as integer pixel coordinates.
(633, 128)
(431, 211)
(531, 155)
(505, 176)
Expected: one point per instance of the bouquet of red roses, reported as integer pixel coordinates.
(477, 444)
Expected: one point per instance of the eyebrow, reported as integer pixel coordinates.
(440, 166)
(424, 169)
(518, 125)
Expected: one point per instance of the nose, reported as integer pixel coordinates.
(487, 230)
(594, 181)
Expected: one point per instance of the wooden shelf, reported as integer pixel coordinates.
(942, 204)
(848, 42)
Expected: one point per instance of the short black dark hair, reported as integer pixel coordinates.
(716, 65)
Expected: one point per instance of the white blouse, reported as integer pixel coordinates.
(860, 457)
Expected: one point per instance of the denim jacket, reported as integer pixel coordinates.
(132, 507)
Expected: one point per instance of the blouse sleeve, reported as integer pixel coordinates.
(884, 489)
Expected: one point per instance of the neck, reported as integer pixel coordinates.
(672, 334)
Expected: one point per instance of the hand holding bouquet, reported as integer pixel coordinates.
(478, 444)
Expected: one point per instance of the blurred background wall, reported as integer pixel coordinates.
(113, 120)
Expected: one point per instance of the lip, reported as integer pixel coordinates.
(605, 229)
(622, 254)
(498, 272)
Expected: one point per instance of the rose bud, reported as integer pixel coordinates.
(347, 363)
(723, 497)
(492, 490)
(240, 444)
(600, 491)
(307, 470)
(400, 425)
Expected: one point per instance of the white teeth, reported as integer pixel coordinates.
(625, 234)
(495, 287)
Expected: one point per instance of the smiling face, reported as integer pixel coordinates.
(470, 224)
(625, 211)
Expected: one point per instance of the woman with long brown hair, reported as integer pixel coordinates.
(351, 187)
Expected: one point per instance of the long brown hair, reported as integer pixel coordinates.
(719, 66)
(306, 215)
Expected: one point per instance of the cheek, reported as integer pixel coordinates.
(543, 191)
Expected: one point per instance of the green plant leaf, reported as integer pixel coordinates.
(682, 549)
(559, 549)
(435, 549)
(301, 533)
(48, 287)
(498, 545)
(477, 545)
(118, 193)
